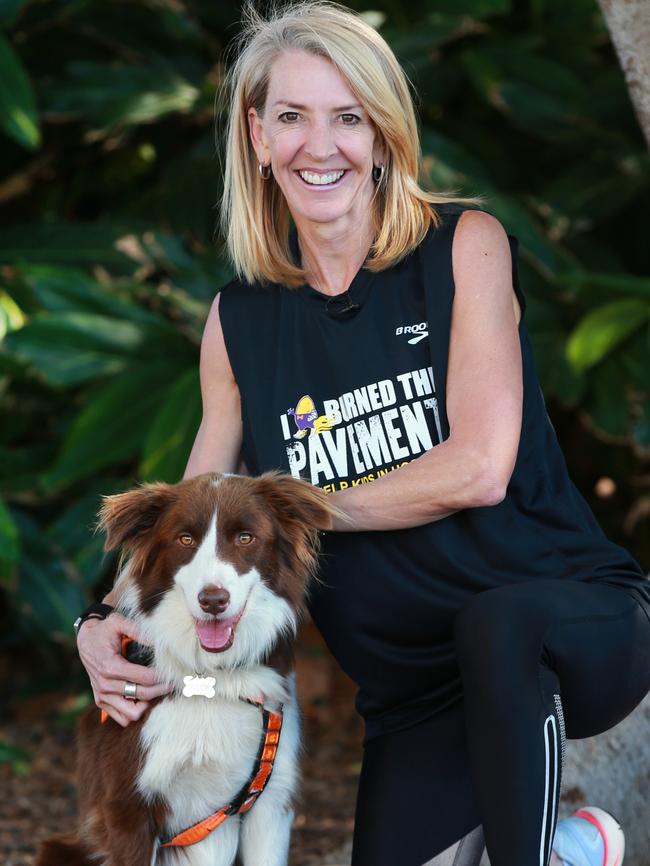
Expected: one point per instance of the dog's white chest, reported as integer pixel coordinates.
(198, 753)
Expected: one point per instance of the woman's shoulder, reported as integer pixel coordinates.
(247, 306)
(449, 212)
(440, 232)
(239, 290)
(440, 235)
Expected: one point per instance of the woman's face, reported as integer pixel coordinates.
(319, 141)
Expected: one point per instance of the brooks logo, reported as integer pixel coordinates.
(419, 331)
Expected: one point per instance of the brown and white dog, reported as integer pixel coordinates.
(214, 571)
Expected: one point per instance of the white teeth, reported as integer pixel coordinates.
(321, 179)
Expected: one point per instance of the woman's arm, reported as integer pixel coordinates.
(219, 437)
(216, 449)
(484, 397)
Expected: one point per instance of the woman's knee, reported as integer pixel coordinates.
(497, 625)
(480, 617)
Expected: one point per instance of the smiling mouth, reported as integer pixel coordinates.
(217, 635)
(322, 181)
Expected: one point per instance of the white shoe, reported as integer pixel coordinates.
(589, 837)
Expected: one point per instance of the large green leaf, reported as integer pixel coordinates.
(521, 58)
(21, 466)
(535, 111)
(61, 289)
(69, 348)
(11, 316)
(72, 533)
(114, 424)
(18, 114)
(121, 94)
(603, 329)
(542, 96)
(68, 243)
(48, 595)
(534, 243)
(447, 162)
(413, 46)
(592, 188)
(172, 432)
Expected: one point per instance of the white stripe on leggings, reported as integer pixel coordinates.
(549, 795)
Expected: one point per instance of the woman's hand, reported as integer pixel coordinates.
(100, 648)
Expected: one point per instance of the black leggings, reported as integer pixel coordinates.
(540, 661)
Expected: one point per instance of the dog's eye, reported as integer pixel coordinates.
(244, 537)
(186, 539)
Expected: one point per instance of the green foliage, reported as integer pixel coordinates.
(17, 102)
(109, 265)
(9, 542)
(605, 328)
(18, 759)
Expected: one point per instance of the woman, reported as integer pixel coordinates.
(470, 594)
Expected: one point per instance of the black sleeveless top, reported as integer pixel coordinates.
(340, 391)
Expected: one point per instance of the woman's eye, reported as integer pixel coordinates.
(244, 537)
(186, 539)
(292, 117)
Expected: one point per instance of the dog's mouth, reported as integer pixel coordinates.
(217, 635)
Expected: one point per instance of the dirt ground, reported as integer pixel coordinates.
(42, 801)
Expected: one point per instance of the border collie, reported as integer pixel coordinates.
(214, 571)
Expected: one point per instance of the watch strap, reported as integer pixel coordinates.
(98, 610)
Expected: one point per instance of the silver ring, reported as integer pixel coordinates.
(130, 691)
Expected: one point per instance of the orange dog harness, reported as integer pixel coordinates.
(242, 802)
(248, 794)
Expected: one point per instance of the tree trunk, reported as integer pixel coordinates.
(629, 26)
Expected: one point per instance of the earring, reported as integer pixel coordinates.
(265, 171)
(378, 173)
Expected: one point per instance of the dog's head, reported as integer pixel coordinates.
(215, 567)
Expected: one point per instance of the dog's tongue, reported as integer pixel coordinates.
(214, 633)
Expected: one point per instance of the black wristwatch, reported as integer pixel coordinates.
(99, 610)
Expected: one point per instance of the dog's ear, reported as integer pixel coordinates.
(125, 517)
(301, 510)
(297, 499)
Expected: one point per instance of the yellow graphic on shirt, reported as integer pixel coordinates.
(308, 420)
(361, 434)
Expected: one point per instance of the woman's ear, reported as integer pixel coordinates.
(125, 517)
(379, 150)
(257, 136)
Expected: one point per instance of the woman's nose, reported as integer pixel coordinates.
(320, 141)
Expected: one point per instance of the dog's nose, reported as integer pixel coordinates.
(214, 599)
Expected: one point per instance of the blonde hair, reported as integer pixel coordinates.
(254, 212)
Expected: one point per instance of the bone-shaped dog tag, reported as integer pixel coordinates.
(203, 686)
